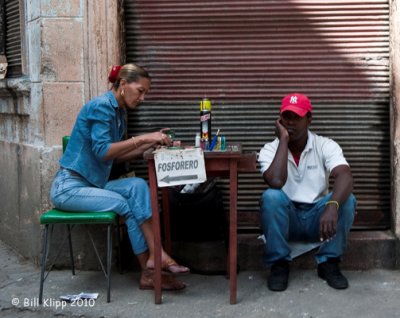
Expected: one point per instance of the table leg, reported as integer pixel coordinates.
(233, 230)
(167, 222)
(156, 230)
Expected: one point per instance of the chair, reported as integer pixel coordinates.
(70, 219)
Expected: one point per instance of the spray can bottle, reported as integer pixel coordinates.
(205, 122)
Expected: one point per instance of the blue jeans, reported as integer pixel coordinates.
(129, 197)
(283, 220)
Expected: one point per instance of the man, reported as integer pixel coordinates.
(297, 206)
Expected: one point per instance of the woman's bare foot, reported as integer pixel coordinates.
(169, 265)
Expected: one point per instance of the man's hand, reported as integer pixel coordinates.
(280, 130)
(342, 187)
(328, 222)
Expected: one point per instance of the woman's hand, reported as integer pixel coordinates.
(159, 138)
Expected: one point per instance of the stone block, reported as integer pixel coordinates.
(61, 8)
(34, 49)
(61, 104)
(21, 192)
(30, 194)
(9, 191)
(36, 125)
(208, 257)
(370, 249)
(62, 50)
(14, 96)
(33, 10)
(6, 103)
(366, 250)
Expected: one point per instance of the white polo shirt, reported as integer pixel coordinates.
(308, 182)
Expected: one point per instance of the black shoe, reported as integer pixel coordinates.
(279, 276)
(330, 272)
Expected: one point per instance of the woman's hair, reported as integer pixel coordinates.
(131, 73)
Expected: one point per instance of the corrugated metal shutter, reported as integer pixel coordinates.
(13, 38)
(246, 55)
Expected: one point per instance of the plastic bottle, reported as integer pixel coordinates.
(197, 140)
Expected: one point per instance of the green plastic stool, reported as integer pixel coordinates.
(55, 216)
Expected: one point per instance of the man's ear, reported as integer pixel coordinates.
(309, 118)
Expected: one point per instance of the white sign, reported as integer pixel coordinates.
(179, 166)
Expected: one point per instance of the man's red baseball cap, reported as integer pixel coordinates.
(297, 103)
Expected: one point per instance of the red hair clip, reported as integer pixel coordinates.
(113, 74)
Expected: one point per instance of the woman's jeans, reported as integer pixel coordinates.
(129, 197)
(283, 220)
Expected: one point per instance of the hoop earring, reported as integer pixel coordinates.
(122, 93)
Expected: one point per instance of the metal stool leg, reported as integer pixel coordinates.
(71, 253)
(44, 260)
(119, 246)
(109, 256)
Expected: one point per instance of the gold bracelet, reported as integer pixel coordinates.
(333, 202)
(134, 141)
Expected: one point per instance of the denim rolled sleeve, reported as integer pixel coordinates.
(100, 120)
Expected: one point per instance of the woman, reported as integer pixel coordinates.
(95, 143)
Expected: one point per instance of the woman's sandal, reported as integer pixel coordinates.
(168, 282)
(172, 267)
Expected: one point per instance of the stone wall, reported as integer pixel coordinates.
(67, 50)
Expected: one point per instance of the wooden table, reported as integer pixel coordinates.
(217, 163)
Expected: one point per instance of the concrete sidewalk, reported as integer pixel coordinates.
(372, 293)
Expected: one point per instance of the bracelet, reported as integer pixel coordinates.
(134, 141)
(333, 202)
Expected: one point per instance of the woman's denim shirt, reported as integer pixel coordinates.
(99, 123)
